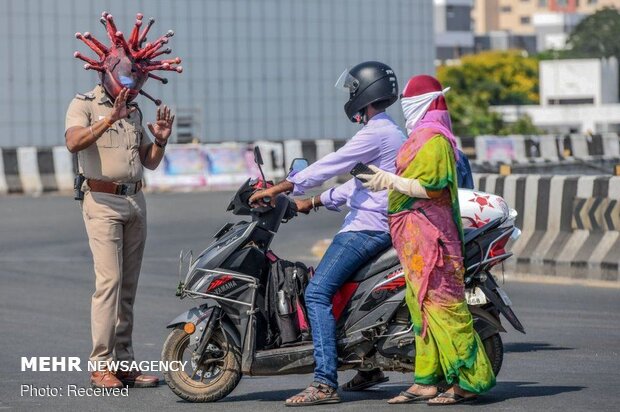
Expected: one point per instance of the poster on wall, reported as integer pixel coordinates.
(188, 167)
(228, 165)
(500, 149)
(182, 168)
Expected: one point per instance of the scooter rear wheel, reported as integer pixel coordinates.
(212, 380)
(494, 347)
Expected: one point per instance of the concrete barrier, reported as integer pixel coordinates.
(35, 170)
(524, 149)
(570, 224)
(32, 170)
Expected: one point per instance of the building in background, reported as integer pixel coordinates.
(454, 36)
(519, 23)
(505, 40)
(252, 69)
(485, 16)
(579, 95)
(552, 29)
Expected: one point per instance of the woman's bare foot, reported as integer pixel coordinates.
(454, 394)
(414, 393)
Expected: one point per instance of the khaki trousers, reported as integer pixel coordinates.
(116, 228)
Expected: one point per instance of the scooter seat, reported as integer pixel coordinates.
(384, 260)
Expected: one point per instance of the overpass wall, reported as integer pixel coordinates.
(570, 223)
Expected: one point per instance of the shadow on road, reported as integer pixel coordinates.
(514, 390)
(503, 391)
(265, 396)
(523, 347)
(382, 392)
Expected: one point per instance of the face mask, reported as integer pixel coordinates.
(415, 107)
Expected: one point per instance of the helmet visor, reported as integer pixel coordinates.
(347, 83)
(128, 75)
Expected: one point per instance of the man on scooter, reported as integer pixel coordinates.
(372, 88)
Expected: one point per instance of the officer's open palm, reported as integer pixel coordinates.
(120, 110)
(162, 128)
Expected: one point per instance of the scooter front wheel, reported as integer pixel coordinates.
(211, 380)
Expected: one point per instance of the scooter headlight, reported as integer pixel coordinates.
(512, 213)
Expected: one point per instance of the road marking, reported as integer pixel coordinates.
(319, 248)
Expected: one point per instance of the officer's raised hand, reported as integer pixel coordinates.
(120, 110)
(83, 133)
(162, 128)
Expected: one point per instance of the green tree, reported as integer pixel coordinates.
(598, 35)
(489, 78)
(523, 125)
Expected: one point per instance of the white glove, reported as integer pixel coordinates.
(382, 180)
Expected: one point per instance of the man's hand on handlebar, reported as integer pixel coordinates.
(262, 198)
(267, 197)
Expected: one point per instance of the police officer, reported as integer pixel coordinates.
(105, 130)
(112, 149)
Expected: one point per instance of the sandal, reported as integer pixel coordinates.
(315, 394)
(364, 380)
(410, 398)
(454, 397)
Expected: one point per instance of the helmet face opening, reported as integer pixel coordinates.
(122, 72)
(347, 83)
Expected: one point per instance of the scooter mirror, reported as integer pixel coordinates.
(298, 164)
(258, 158)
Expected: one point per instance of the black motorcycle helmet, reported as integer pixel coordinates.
(366, 83)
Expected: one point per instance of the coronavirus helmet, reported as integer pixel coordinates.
(128, 63)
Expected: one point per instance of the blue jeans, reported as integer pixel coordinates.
(348, 252)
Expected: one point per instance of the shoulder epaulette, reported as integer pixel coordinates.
(85, 96)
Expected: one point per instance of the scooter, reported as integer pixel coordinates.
(230, 333)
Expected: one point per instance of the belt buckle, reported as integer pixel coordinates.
(122, 190)
(125, 189)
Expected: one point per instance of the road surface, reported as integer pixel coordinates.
(568, 360)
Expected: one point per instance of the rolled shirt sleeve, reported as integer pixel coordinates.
(78, 114)
(363, 147)
(337, 196)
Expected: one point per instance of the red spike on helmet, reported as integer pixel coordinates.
(125, 63)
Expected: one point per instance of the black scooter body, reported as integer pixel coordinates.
(373, 330)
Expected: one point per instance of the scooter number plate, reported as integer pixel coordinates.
(475, 296)
(504, 297)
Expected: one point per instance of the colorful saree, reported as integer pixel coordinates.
(427, 235)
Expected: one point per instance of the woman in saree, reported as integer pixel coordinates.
(425, 224)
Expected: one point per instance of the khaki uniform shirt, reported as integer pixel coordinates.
(115, 156)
